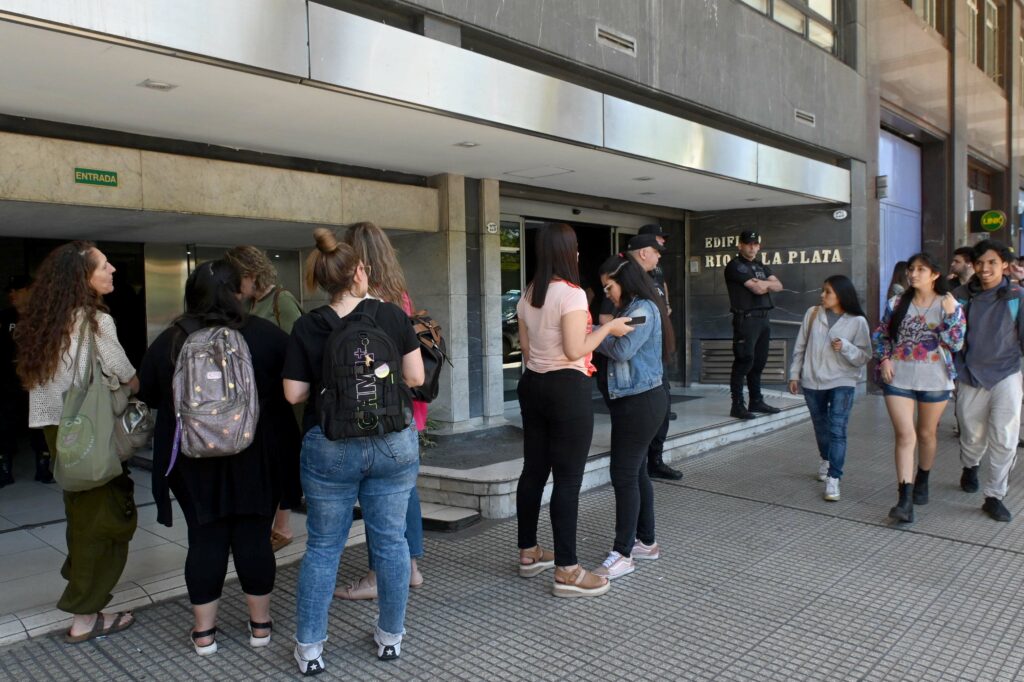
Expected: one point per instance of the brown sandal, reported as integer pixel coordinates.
(540, 561)
(99, 631)
(277, 541)
(579, 582)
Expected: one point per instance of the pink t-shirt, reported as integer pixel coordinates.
(544, 328)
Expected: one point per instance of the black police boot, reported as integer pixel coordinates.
(6, 477)
(969, 480)
(921, 486)
(740, 411)
(672, 416)
(43, 474)
(904, 509)
(762, 406)
(658, 469)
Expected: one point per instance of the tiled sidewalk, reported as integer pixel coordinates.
(759, 580)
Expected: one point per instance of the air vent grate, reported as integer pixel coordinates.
(805, 117)
(616, 41)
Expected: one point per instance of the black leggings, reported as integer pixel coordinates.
(558, 425)
(246, 539)
(635, 419)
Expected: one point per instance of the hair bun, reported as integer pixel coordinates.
(326, 242)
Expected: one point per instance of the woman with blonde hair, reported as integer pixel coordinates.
(387, 282)
(265, 299)
(372, 457)
(65, 310)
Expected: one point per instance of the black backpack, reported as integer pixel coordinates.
(362, 390)
(434, 352)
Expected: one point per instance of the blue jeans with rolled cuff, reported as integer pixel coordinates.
(830, 413)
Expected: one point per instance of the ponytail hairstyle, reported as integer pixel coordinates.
(372, 246)
(941, 287)
(331, 265)
(847, 294)
(636, 283)
(557, 257)
(43, 333)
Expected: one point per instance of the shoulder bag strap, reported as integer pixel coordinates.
(277, 305)
(810, 323)
(84, 334)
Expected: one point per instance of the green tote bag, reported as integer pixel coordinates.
(86, 457)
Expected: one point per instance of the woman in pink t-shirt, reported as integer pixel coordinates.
(555, 398)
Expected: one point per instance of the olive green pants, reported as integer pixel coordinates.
(101, 523)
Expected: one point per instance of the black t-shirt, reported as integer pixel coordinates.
(305, 356)
(738, 271)
(254, 480)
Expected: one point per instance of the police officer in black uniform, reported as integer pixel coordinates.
(750, 283)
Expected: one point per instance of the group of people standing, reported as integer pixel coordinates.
(238, 506)
(558, 341)
(938, 337)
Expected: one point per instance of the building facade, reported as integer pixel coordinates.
(849, 133)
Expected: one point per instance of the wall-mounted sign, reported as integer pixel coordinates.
(992, 220)
(811, 256)
(840, 214)
(92, 176)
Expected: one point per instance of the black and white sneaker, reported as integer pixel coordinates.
(387, 652)
(313, 666)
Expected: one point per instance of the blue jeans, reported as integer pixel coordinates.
(413, 529)
(379, 471)
(830, 412)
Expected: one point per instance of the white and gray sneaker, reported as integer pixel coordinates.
(823, 470)
(615, 566)
(831, 489)
(645, 552)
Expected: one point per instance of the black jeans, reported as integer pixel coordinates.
(657, 446)
(750, 337)
(558, 425)
(635, 419)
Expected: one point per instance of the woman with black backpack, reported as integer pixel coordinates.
(228, 501)
(356, 359)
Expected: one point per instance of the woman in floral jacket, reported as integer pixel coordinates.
(914, 344)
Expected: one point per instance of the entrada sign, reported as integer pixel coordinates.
(91, 176)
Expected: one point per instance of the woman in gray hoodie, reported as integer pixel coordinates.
(831, 349)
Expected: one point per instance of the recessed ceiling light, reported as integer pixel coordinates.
(647, 194)
(753, 199)
(644, 178)
(468, 144)
(160, 86)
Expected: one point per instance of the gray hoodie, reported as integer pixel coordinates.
(815, 365)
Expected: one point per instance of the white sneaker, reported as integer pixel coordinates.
(823, 470)
(831, 489)
(615, 566)
(646, 552)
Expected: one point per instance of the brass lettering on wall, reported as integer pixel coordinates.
(798, 257)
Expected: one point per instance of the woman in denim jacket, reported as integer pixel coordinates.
(637, 404)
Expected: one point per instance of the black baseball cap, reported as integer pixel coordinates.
(655, 229)
(641, 240)
(16, 282)
(750, 237)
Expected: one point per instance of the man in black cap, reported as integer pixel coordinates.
(646, 248)
(750, 283)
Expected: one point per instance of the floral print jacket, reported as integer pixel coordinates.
(918, 343)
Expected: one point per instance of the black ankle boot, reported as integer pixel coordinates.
(43, 474)
(904, 509)
(6, 477)
(921, 486)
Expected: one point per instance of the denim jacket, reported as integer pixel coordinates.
(634, 360)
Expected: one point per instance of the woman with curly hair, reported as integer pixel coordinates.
(387, 282)
(67, 298)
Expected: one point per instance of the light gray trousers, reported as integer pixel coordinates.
(990, 425)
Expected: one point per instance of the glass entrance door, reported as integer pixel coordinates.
(511, 239)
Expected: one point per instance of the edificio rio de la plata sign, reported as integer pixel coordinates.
(805, 256)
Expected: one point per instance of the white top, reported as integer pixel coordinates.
(47, 401)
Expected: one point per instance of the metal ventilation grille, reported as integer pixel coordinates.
(805, 117)
(716, 361)
(617, 41)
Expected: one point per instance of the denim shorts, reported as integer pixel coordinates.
(919, 396)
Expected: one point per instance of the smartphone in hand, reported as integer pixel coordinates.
(634, 321)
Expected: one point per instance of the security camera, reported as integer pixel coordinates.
(576, 211)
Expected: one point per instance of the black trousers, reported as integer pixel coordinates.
(635, 418)
(558, 425)
(246, 539)
(657, 446)
(750, 337)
